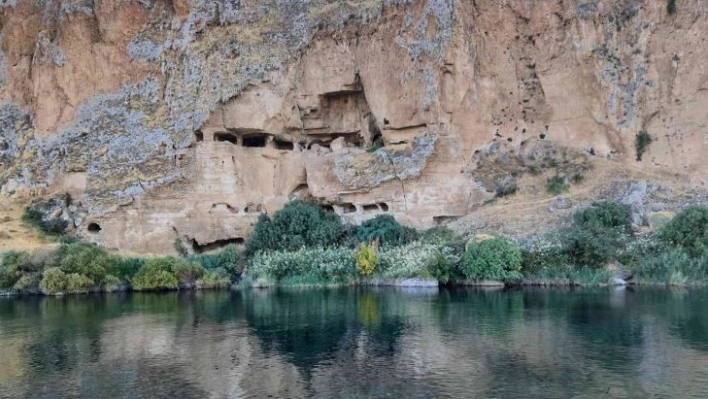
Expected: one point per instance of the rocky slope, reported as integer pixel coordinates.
(186, 119)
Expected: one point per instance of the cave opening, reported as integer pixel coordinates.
(327, 208)
(216, 245)
(348, 208)
(94, 228)
(256, 140)
(325, 144)
(383, 206)
(371, 208)
(284, 145)
(254, 208)
(199, 136)
(225, 137)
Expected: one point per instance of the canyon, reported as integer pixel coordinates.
(145, 122)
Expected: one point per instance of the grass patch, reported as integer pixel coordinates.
(556, 185)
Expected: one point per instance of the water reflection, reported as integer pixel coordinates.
(358, 343)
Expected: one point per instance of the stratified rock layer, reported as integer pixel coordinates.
(186, 119)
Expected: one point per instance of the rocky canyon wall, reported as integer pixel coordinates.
(146, 121)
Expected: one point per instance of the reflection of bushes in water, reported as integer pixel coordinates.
(618, 330)
(309, 326)
(682, 311)
(495, 312)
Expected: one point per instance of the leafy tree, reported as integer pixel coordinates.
(604, 214)
(688, 230)
(299, 224)
(386, 230)
(598, 234)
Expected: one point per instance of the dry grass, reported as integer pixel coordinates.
(14, 235)
(527, 212)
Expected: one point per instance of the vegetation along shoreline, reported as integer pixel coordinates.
(303, 245)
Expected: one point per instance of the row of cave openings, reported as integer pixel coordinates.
(263, 140)
(349, 208)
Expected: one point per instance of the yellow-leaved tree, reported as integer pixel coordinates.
(366, 259)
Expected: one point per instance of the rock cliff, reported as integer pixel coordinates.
(146, 121)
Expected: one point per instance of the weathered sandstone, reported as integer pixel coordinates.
(186, 119)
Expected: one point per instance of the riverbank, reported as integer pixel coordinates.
(302, 245)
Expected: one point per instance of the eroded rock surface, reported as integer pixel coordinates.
(186, 119)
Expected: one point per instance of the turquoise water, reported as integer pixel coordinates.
(358, 343)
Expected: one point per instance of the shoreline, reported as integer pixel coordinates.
(488, 285)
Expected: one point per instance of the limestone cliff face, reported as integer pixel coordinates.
(188, 118)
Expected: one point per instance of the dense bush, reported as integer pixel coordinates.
(445, 264)
(688, 230)
(671, 7)
(494, 259)
(299, 224)
(81, 267)
(54, 226)
(598, 234)
(386, 230)
(53, 281)
(406, 261)
(214, 278)
(166, 273)
(336, 265)
(604, 214)
(227, 259)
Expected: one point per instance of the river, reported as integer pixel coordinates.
(358, 342)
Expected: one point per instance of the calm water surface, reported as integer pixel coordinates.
(358, 343)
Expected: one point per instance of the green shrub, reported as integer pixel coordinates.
(439, 235)
(214, 278)
(28, 283)
(124, 268)
(227, 259)
(85, 259)
(54, 226)
(556, 185)
(578, 177)
(111, 283)
(78, 283)
(444, 266)
(602, 215)
(187, 272)
(376, 145)
(386, 230)
(688, 230)
(335, 265)
(669, 266)
(299, 224)
(671, 7)
(641, 142)
(33, 218)
(54, 281)
(494, 259)
(163, 273)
